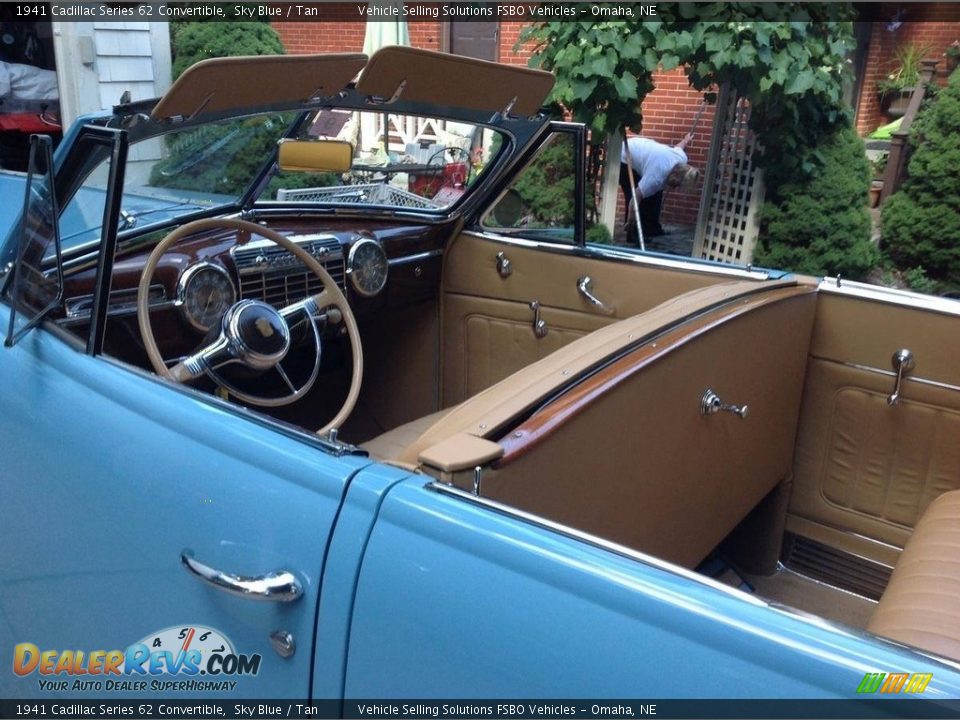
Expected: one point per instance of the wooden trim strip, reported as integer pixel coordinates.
(547, 420)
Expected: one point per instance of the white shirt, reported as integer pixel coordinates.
(652, 162)
(27, 83)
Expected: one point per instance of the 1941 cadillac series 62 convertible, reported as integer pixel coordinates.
(290, 413)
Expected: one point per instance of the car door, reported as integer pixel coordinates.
(119, 493)
(461, 597)
(522, 281)
(872, 453)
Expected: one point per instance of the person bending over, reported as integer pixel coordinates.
(655, 166)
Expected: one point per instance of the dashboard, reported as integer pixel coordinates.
(376, 264)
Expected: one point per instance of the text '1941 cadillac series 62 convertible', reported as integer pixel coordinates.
(302, 399)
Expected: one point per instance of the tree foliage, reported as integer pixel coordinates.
(821, 225)
(921, 222)
(219, 158)
(196, 41)
(787, 59)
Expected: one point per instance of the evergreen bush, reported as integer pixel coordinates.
(921, 222)
(196, 41)
(195, 159)
(821, 225)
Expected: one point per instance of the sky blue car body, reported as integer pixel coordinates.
(410, 589)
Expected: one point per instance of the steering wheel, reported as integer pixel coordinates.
(252, 333)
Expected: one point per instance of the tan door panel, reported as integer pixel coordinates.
(489, 339)
(551, 277)
(868, 332)
(864, 470)
(641, 466)
(487, 325)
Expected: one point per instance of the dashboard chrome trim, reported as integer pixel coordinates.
(416, 257)
(77, 308)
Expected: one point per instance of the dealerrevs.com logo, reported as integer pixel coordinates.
(180, 658)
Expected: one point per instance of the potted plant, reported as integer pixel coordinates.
(896, 89)
(952, 56)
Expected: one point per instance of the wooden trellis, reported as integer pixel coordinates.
(727, 227)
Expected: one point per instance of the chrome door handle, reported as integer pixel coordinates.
(585, 286)
(903, 363)
(711, 404)
(279, 586)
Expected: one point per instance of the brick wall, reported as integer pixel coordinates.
(926, 31)
(669, 110)
(509, 37)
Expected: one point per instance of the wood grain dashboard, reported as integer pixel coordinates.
(413, 251)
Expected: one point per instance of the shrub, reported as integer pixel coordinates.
(821, 226)
(921, 222)
(219, 158)
(547, 186)
(197, 41)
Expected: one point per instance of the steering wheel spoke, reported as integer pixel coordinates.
(255, 334)
(207, 359)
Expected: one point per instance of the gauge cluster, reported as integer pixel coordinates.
(367, 267)
(206, 290)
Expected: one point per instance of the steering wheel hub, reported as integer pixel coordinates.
(260, 335)
(254, 333)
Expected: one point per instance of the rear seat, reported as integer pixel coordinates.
(921, 605)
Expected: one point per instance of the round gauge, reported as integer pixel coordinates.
(205, 293)
(367, 267)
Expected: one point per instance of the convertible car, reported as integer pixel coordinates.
(308, 392)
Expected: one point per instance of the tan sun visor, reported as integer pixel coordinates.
(410, 74)
(260, 81)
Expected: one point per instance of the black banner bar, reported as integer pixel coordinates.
(434, 10)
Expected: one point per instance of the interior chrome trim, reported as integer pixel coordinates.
(849, 533)
(890, 296)
(781, 568)
(77, 308)
(890, 374)
(416, 257)
(612, 253)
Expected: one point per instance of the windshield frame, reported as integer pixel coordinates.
(517, 134)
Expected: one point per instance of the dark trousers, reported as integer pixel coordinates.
(649, 209)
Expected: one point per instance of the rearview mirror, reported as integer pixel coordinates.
(315, 155)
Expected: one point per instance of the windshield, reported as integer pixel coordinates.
(399, 161)
(177, 173)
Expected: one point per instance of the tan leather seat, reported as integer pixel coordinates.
(921, 605)
(391, 444)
